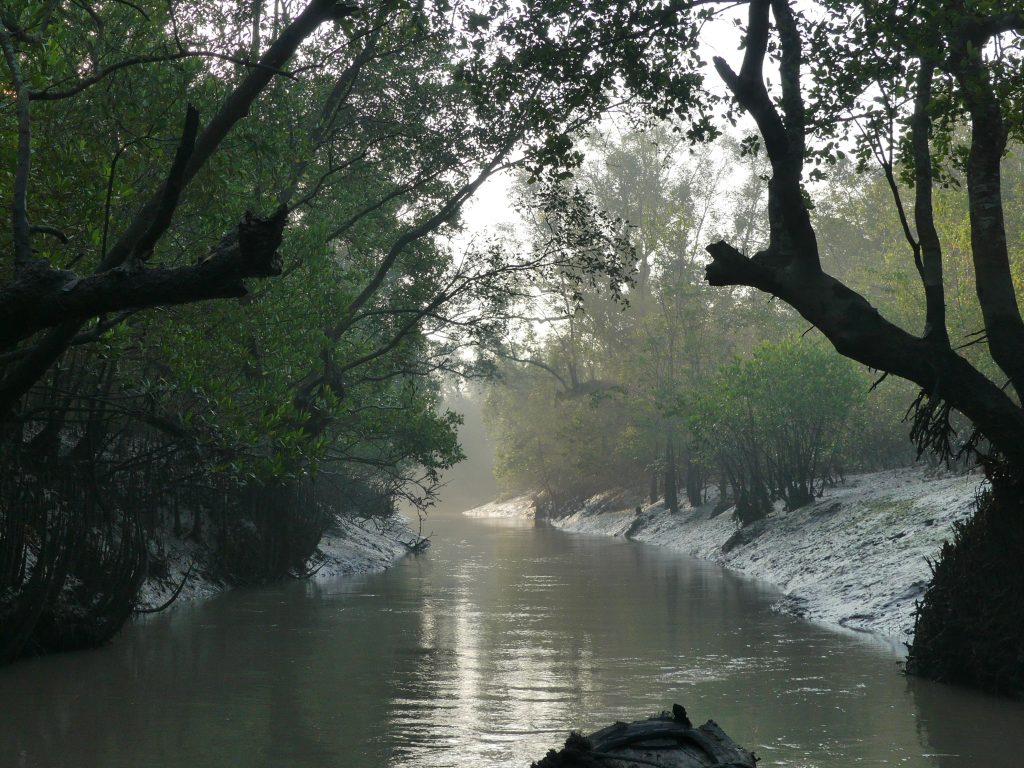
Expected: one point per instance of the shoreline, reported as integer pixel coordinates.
(856, 558)
(348, 548)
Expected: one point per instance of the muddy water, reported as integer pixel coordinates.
(482, 653)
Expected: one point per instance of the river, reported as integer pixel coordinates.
(483, 652)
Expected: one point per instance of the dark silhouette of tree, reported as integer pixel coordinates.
(926, 67)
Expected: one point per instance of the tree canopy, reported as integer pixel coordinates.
(305, 164)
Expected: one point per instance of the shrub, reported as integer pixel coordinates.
(770, 425)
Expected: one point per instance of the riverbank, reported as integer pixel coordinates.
(520, 506)
(350, 547)
(857, 557)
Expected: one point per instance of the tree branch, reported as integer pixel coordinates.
(854, 327)
(410, 236)
(1002, 23)
(234, 108)
(135, 61)
(930, 247)
(792, 238)
(859, 332)
(171, 189)
(748, 86)
(789, 70)
(86, 337)
(46, 298)
(49, 298)
(342, 89)
(44, 229)
(538, 364)
(994, 280)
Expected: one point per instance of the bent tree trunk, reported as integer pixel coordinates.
(790, 269)
(56, 303)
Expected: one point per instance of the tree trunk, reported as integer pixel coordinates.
(671, 472)
(969, 624)
(694, 483)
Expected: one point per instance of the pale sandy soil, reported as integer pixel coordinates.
(857, 557)
(351, 547)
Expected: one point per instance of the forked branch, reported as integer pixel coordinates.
(792, 238)
(789, 268)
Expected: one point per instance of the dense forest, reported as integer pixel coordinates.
(237, 276)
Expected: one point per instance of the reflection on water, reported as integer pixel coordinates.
(483, 653)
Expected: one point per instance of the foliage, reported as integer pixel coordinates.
(249, 425)
(358, 133)
(138, 137)
(563, 445)
(773, 424)
(594, 392)
(897, 81)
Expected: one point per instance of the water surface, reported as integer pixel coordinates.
(484, 652)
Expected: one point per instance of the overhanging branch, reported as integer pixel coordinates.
(45, 298)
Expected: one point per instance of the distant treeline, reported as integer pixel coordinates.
(680, 390)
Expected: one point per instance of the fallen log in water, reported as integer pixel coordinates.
(666, 741)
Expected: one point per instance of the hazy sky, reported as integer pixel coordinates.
(491, 205)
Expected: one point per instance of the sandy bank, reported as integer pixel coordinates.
(520, 506)
(857, 557)
(350, 547)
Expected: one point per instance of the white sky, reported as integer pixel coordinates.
(491, 205)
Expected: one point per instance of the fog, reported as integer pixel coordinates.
(471, 482)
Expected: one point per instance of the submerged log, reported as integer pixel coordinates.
(668, 740)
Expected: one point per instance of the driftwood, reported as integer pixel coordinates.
(666, 741)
